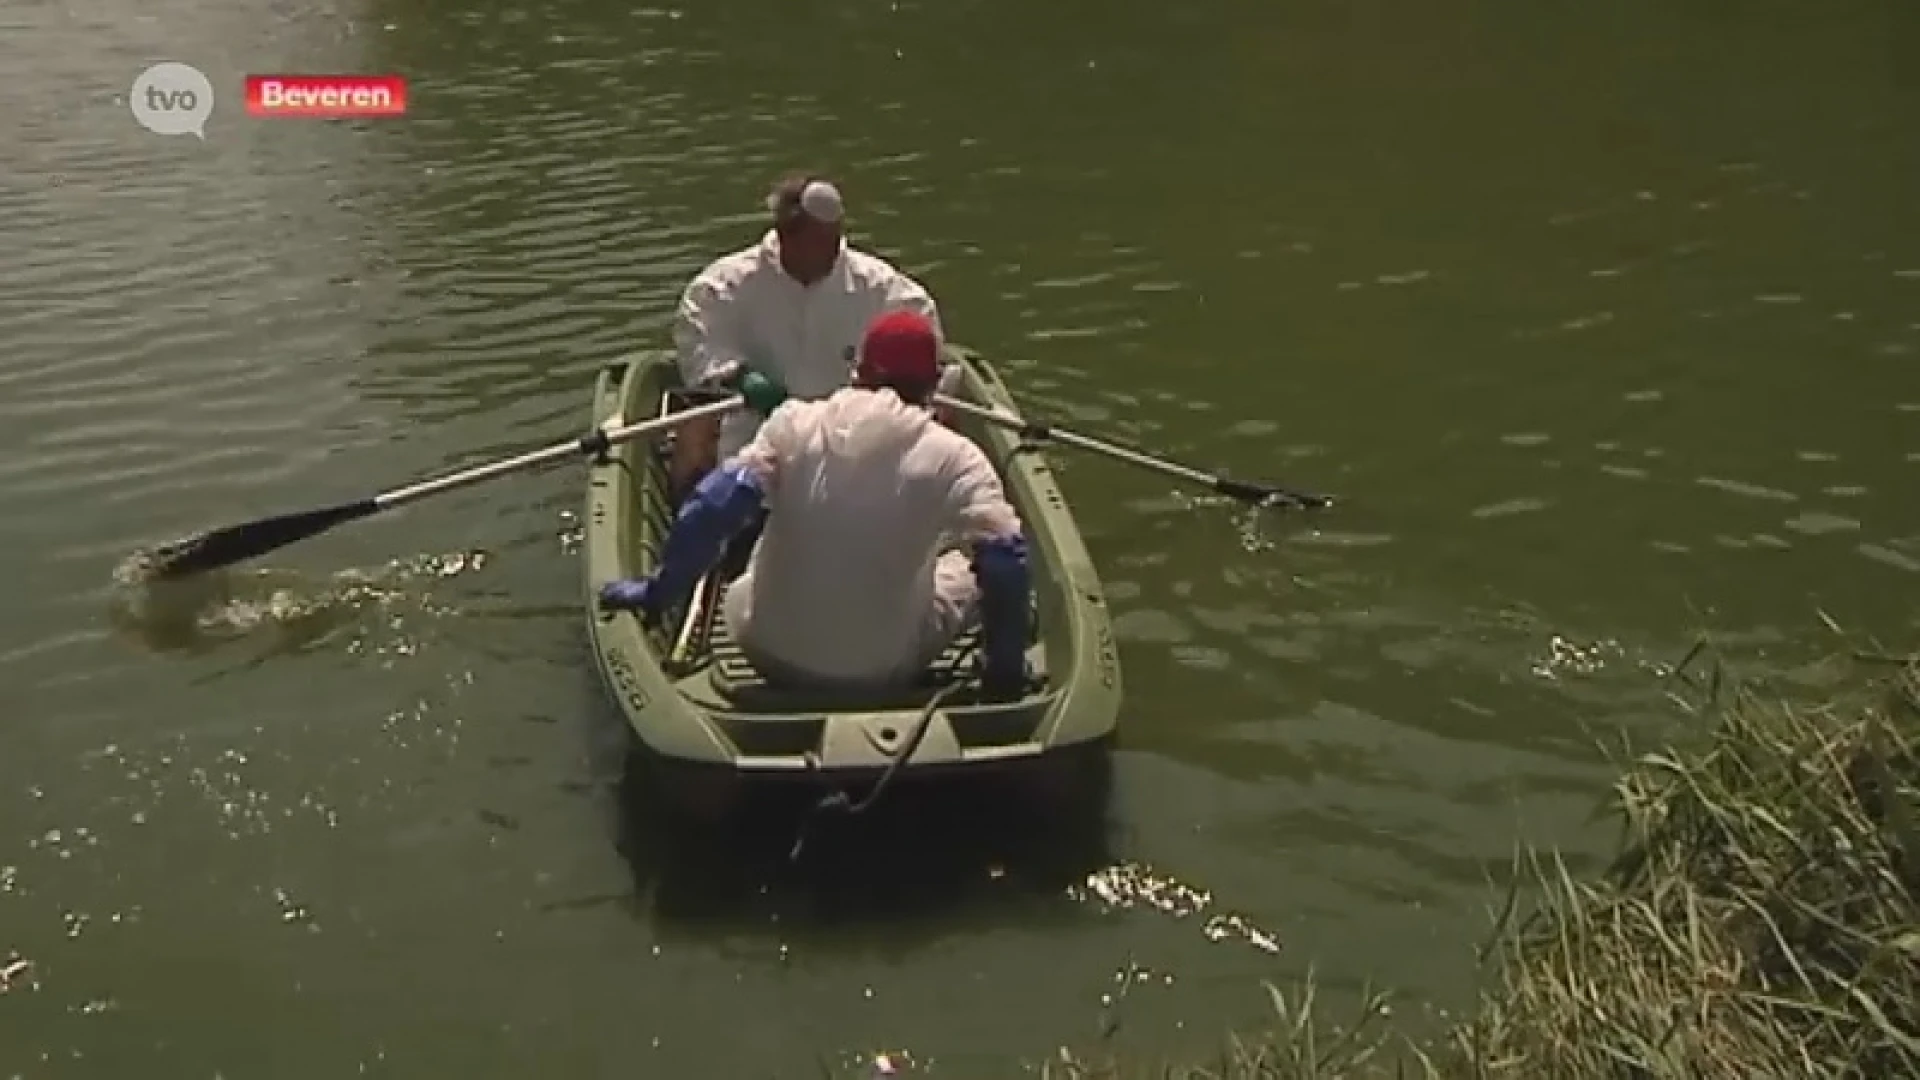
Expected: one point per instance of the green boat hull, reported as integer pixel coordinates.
(690, 697)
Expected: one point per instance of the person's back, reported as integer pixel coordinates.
(859, 492)
(867, 487)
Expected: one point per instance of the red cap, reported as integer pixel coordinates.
(900, 350)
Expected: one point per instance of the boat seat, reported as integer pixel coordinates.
(742, 685)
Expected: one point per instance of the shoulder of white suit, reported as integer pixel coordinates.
(728, 271)
(871, 270)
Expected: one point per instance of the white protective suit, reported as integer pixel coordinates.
(849, 584)
(744, 309)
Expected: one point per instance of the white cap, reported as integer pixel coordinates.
(819, 200)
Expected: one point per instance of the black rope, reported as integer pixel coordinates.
(838, 801)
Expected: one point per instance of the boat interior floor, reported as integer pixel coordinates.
(711, 664)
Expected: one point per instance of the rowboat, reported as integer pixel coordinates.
(693, 702)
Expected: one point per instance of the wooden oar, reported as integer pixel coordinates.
(1257, 494)
(236, 543)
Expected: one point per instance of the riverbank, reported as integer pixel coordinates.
(1760, 919)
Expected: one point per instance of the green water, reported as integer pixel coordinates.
(1602, 321)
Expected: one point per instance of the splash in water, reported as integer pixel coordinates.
(201, 611)
(1256, 523)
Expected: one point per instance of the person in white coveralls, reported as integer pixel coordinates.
(887, 533)
(790, 311)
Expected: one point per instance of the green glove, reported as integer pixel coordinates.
(763, 394)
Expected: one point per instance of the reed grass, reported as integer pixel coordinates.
(1759, 921)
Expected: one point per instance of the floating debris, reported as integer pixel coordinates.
(1222, 927)
(291, 910)
(1130, 885)
(17, 969)
(1569, 657)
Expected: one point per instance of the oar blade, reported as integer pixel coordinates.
(238, 543)
(1269, 495)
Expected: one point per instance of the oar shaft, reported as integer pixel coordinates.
(224, 547)
(1255, 494)
(1098, 446)
(585, 445)
(1034, 430)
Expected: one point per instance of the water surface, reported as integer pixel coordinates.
(1601, 323)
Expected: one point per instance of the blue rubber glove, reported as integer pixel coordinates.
(723, 503)
(630, 594)
(1003, 681)
(1006, 598)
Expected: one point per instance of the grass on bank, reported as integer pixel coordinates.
(1760, 921)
